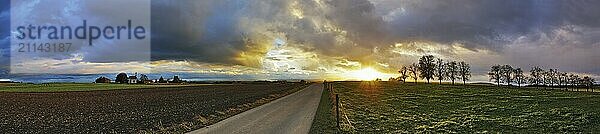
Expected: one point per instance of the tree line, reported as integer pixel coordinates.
(123, 78)
(506, 74)
(429, 68)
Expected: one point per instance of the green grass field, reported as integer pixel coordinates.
(382, 107)
(61, 87)
(324, 122)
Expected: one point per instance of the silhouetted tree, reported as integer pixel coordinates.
(518, 76)
(583, 82)
(495, 74)
(121, 78)
(143, 78)
(546, 77)
(507, 72)
(403, 73)
(440, 70)
(572, 80)
(177, 80)
(464, 71)
(536, 75)
(451, 71)
(162, 80)
(526, 79)
(552, 73)
(414, 71)
(588, 82)
(531, 80)
(579, 82)
(562, 79)
(427, 67)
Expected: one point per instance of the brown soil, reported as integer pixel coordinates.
(175, 109)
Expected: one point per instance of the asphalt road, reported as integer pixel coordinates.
(292, 114)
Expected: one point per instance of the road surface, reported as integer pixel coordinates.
(292, 114)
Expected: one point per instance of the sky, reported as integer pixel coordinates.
(340, 39)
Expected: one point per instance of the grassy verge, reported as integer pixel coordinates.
(62, 87)
(324, 121)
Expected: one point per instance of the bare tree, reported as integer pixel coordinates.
(507, 72)
(548, 77)
(495, 74)
(464, 71)
(571, 81)
(552, 73)
(427, 67)
(562, 80)
(591, 83)
(441, 70)
(414, 71)
(556, 77)
(536, 75)
(518, 76)
(574, 81)
(581, 82)
(588, 82)
(403, 73)
(451, 71)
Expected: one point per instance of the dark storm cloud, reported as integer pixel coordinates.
(475, 23)
(359, 18)
(204, 31)
(488, 24)
(580, 12)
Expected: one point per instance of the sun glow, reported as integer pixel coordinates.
(368, 74)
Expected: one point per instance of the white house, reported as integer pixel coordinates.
(133, 79)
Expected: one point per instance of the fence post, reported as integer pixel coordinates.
(337, 110)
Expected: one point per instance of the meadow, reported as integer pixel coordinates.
(391, 107)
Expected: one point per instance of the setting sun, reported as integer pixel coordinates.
(368, 74)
